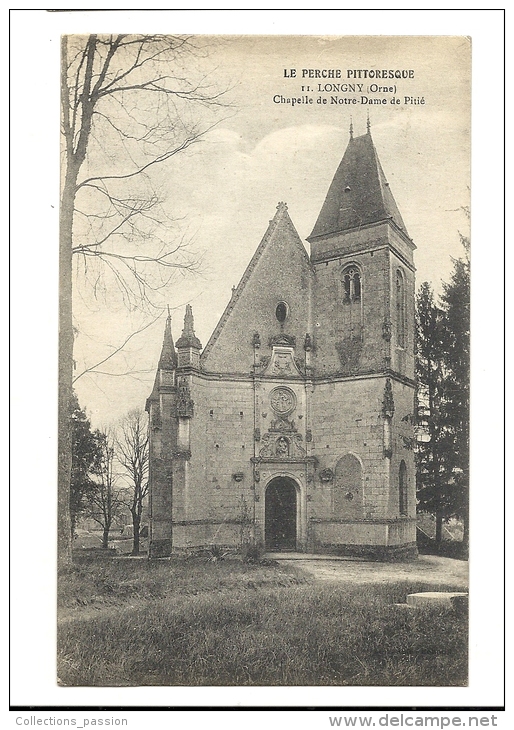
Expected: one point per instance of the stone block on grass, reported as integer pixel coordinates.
(438, 600)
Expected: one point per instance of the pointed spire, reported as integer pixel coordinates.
(188, 338)
(189, 322)
(388, 402)
(359, 194)
(168, 359)
(368, 124)
(351, 128)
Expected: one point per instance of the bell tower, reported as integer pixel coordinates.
(363, 361)
(363, 259)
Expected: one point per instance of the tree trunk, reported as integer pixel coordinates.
(136, 522)
(64, 537)
(105, 538)
(465, 536)
(74, 160)
(438, 527)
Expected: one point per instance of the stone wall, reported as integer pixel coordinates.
(346, 419)
(221, 446)
(225, 478)
(333, 339)
(163, 437)
(402, 449)
(402, 358)
(378, 251)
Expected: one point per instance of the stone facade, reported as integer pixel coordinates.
(292, 427)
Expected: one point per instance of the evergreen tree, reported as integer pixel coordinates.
(455, 302)
(85, 455)
(442, 411)
(433, 462)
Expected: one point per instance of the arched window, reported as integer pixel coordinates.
(347, 487)
(402, 489)
(400, 309)
(351, 285)
(350, 313)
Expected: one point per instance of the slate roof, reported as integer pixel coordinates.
(359, 193)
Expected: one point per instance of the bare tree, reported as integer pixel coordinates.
(129, 104)
(105, 501)
(132, 453)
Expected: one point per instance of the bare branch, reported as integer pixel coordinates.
(92, 368)
(156, 161)
(133, 454)
(127, 107)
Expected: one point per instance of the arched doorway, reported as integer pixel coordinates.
(280, 516)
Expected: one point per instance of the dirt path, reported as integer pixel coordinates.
(427, 568)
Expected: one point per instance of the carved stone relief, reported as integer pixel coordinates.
(349, 351)
(282, 362)
(279, 446)
(282, 401)
(388, 402)
(185, 405)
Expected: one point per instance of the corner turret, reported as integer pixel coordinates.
(165, 375)
(168, 360)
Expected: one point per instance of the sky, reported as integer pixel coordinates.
(223, 191)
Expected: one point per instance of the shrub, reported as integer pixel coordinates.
(217, 552)
(252, 553)
(447, 548)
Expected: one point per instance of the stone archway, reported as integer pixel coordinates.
(281, 509)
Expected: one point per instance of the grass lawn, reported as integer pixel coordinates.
(191, 622)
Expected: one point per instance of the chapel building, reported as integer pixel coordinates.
(292, 427)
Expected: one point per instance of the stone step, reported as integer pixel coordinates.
(438, 600)
(284, 555)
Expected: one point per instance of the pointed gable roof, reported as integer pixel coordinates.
(281, 224)
(359, 194)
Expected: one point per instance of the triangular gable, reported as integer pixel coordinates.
(279, 270)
